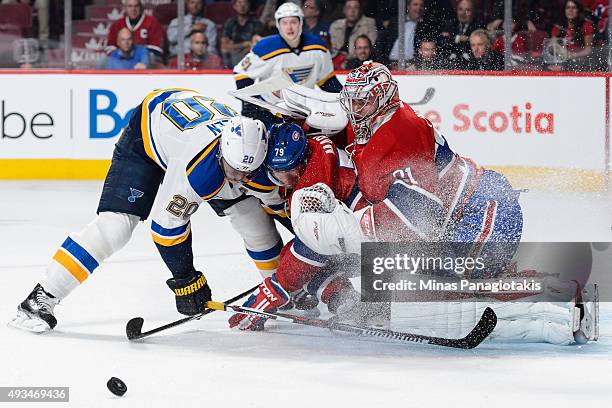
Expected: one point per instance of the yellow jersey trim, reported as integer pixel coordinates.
(275, 53)
(314, 47)
(171, 241)
(327, 78)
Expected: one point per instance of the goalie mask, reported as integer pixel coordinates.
(368, 93)
(244, 144)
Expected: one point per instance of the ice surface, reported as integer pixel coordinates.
(205, 364)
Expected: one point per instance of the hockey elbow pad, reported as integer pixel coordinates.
(191, 293)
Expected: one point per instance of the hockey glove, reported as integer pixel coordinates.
(191, 293)
(268, 298)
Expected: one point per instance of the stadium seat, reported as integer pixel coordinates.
(219, 12)
(19, 15)
(164, 13)
(534, 40)
(103, 13)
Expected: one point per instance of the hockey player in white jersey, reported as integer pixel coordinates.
(204, 152)
(300, 57)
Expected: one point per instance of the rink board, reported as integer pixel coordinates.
(542, 131)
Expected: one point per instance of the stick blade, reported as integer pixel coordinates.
(481, 331)
(133, 328)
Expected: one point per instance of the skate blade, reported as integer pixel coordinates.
(23, 321)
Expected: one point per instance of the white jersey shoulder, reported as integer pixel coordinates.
(308, 65)
(177, 122)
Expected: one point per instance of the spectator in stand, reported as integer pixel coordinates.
(344, 31)
(427, 58)
(198, 58)
(415, 30)
(312, 21)
(481, 57)
(522, 10)
(194, 21)
(363, 52)
(42, 11)
(127, 55)
(237, 33)
(519, 42)
(146, 30)
(267, 14)
(577, 32)
(454, 40)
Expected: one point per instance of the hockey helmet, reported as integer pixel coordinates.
(244, 144)
(288, 147)
(369, 91)
(289, 9)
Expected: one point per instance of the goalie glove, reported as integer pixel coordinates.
(191, 293)
(268, 298)
(324, 224)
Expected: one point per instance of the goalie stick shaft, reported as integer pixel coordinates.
(133, 328)
(481, 331)
(429, 94)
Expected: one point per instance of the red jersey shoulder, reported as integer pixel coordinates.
(148, 31)
(405, 143)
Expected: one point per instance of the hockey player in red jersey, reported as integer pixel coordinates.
(295, 163)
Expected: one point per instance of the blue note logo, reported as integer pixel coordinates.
(134, 195)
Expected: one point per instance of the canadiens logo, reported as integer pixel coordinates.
(295, 136)
(299, 75)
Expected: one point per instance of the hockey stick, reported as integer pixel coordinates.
(133, 328)
(429, 94)
(481, 331)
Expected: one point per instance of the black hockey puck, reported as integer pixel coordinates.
(116, 386)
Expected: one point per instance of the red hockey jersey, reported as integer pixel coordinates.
(147, 31)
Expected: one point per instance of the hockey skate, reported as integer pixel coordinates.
(586, 321)
(36, 312)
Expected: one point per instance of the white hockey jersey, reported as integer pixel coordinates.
(310, 64)
(181, 132)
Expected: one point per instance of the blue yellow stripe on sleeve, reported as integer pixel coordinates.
(270, 46)
(327, 78)
(170, 236)
(260, 182)
(240, 77)
(204, 172)
(148, 105)
(76, 259)
(266, 260)
(276, 209)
